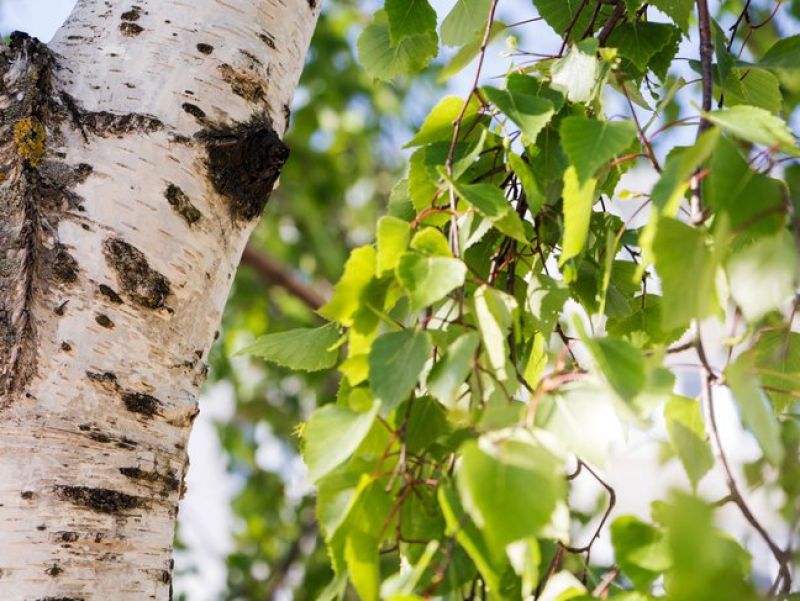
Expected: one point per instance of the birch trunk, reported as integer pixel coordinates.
(135, 155)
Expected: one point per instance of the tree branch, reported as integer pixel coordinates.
(276, 274)
(706, 52)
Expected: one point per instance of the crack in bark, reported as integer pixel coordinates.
(36, 187)
(25, 68)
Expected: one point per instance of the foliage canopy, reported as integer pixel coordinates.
(521, 308)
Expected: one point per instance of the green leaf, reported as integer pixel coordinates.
(577, 75)
(684, 420)
(517, 83)
(305, 349)
(590, 143)
(748, 199)
(756, 411)
(408, 18)
(363, 568)
(537, 361)
(578, 200)
(469, 51)
(662, 61)
(395, 363)
(777, 362)
(465, 19)
(545, 301)
(494, 312)
(583, 417)
(332, 435)
(643, 326)
(743, 195)
(469, 537)
(490, 202)
(783, 55)
(359, 271)
(686, 267)
(678, 10)
(452, 369)
(640, 41)
(510, 487)
(752, 86)
(533, 195)
(392, 240)
(429, 279)
(621, 364)
(530, 113)
(438, 125)
(426, 423)
(640, 551)
(678, 169)
(430, 241)
(382, 60)
(707, 564)
(763, 275)
(756, 125)
(558, 14)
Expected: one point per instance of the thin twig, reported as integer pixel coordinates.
(448, 164)
(782, 557)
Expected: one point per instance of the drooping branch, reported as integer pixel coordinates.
(276, 274)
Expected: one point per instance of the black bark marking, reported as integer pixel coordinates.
(243, 164)
(251, 57)
(100, 437)
(104, 123)
(312, 4)
(101, 500)
(195, 111)
(287, 114)
(167, 483)
(243, 84)
(64, 266)
(27, 495)
(104, 378)
(130, 29)
(144, 285)
(66, 536)
(178, 200)
(54, 571)
(104, 321)
(60, 309)
(61, 599)
(268, 39)
(133, 14)
(110, 294)
(142, 403)
(66, 347)
(205, 48)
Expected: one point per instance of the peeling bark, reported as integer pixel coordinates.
(123, 215)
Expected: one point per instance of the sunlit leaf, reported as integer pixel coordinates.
(306, 349)
(395, 363)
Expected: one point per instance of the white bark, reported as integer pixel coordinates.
(117, 249)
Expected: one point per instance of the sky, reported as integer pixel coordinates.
(205, 519)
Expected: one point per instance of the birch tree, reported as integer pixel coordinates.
(136, 153)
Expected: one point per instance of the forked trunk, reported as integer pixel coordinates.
(136, 154)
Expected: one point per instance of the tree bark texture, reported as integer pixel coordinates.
(136, 153)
